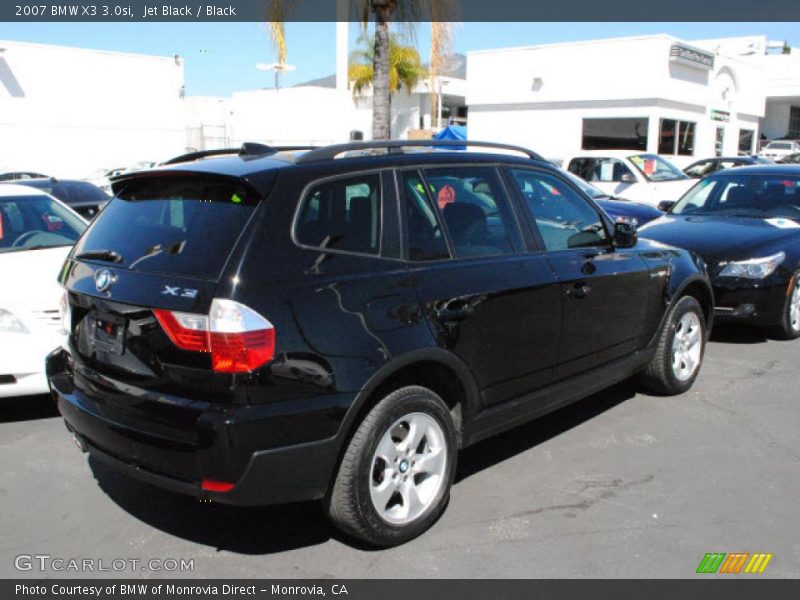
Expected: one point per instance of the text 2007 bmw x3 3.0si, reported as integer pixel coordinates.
(268, 326)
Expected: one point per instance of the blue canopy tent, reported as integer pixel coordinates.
(453, 132)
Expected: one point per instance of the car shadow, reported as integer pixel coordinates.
(501, 447)
(739, 333)
(271, 529)
(244, 530)
(27, 408)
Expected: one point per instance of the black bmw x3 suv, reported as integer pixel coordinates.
(270, 326)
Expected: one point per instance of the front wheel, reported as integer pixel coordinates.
(394, 479)
(789, 327)
(679, 351)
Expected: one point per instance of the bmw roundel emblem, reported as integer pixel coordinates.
(103, 279)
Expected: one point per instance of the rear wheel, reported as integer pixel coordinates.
(789, 328)
(394, 479)
(679, 351)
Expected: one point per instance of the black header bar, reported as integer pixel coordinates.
(409, 10)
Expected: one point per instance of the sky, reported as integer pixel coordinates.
(220, 58)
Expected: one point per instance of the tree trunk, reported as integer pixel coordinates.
(381, 98)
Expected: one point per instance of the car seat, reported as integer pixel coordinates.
(359, 225)
(739, 197)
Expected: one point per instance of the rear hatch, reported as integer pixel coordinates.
(161, 246)
(162, 243)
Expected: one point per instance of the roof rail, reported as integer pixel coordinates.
(396, 146)
(246, 149)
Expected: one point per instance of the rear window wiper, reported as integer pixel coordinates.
(105, 255)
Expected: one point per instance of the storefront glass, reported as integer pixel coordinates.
(608, 134)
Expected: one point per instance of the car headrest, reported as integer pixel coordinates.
(738, 196)
(360, 208)
(463, 219)
(775, 193)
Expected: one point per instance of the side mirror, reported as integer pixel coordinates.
(627, 178)
(625, 235)
(666, 205)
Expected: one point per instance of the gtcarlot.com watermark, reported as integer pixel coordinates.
(55, 564)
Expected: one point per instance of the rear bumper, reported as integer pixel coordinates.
(219, 445)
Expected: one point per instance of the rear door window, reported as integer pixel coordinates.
(183, 226)
(424, 236)
(475, 209)
(342, 214)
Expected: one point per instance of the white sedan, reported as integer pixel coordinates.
(637, 176)
(778, 149)
(36, 234)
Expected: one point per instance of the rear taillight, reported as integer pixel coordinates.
(238, 338)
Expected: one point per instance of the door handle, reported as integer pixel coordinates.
(580, 290)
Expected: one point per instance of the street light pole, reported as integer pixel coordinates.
(278, 68)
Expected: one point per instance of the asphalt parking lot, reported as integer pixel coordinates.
(622, 484)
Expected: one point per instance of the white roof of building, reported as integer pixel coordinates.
(631, 38)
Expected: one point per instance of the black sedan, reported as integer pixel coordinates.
(81, 196)
(707, 166)
(745, 223)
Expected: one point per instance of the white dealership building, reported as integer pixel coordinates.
(66, 111)
(685, 100)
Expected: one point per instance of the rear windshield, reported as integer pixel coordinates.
(176, 226)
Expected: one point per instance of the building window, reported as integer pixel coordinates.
(666, 136)
(686, 138)
(676, 137)
(746, 137)
(794, 123)
(719, 141)
(607, 134)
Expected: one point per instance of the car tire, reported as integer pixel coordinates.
(679, 350)
(385, 492)
(789, 327)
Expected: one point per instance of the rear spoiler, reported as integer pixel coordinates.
(260, 181)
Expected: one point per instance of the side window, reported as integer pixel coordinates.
(342, 214)
(424, 236)
(564, 219)
(475, 210)
(602, 170)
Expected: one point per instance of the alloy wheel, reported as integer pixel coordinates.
(687, 346)
(408, 468)
(794, 307)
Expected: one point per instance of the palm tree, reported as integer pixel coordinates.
(441, 48)
(277, 31)
(384, 11)
(405, 66)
